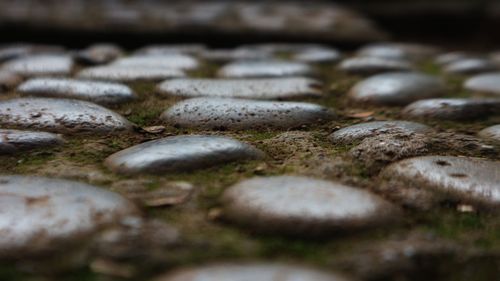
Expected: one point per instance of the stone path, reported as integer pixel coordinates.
(272, 161)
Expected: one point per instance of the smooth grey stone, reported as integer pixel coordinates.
(41, 65)
(98, 92)
(251, 88)
(396, 88)
(61, 115)
(451, 57)
(129, 74)
(470, 66)
(303, 206)
(40, 215)
(225, 55)
(180, 153)
(463, 178)
(174, 61)
(12, 141)
(99, 54)
(9, 80)
(403, 51)
(190, 49)
(241, 114)
(371, 65)
(452, 109)
(486, 83)
(492, 133)
(250, 271)
(264, 68)
(358, 132)
(277, 48)
(317, 55)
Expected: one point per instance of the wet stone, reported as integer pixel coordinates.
(396, 88)
(129, 74)
(179, 154)
(40, 215)
(470, 66)
(466, 179)
(256, 88)
(303, 206)
(41, 65)
(410, 51)
(99, 54)
(99, 92)
(61, 115)
(8, 80)
(317, 55)
(361, 131)
(452, 109)
(492, 133)
(241, 114)
(268, 68)
(484, 83)
(12, 141)
(171, 61)
(251, 271)
(372, 65)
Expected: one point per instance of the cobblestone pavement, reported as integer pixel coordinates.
(272, 161)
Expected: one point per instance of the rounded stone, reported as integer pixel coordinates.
(8, 80)
(225, 55)
(191, 49)
(41, 65)
(250, 88)
(9, 52)
(451, 57)
(129, 74)
(241, 114)
(396, 88)
(12, 141)
(99, 54)
(410, 51)
(492, 133)
(179, 154)
(251, 271)
(267, 68)
(172, 61)
(463, 178)
(303, 206)
(470, 66)
(98, 92)
(371, 65)
(361, 131)
(485, 83)
(317, 55)
(452, 109)
(40, 215)
(61, 115)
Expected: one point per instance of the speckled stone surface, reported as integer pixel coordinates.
(12, 141)
(40, 215)
(360, 131)
(98, 92)
(61, 115)
(40, 65)
(179, 154)
(264, 68)
(129, 74)
(396, 88)
(238, 114)
(461, 178)
(251, 271)
(492, 133)
(452, 109)
(303, 206)
(99, 54)
(394, 50)
(250, 88)
(171, 61)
